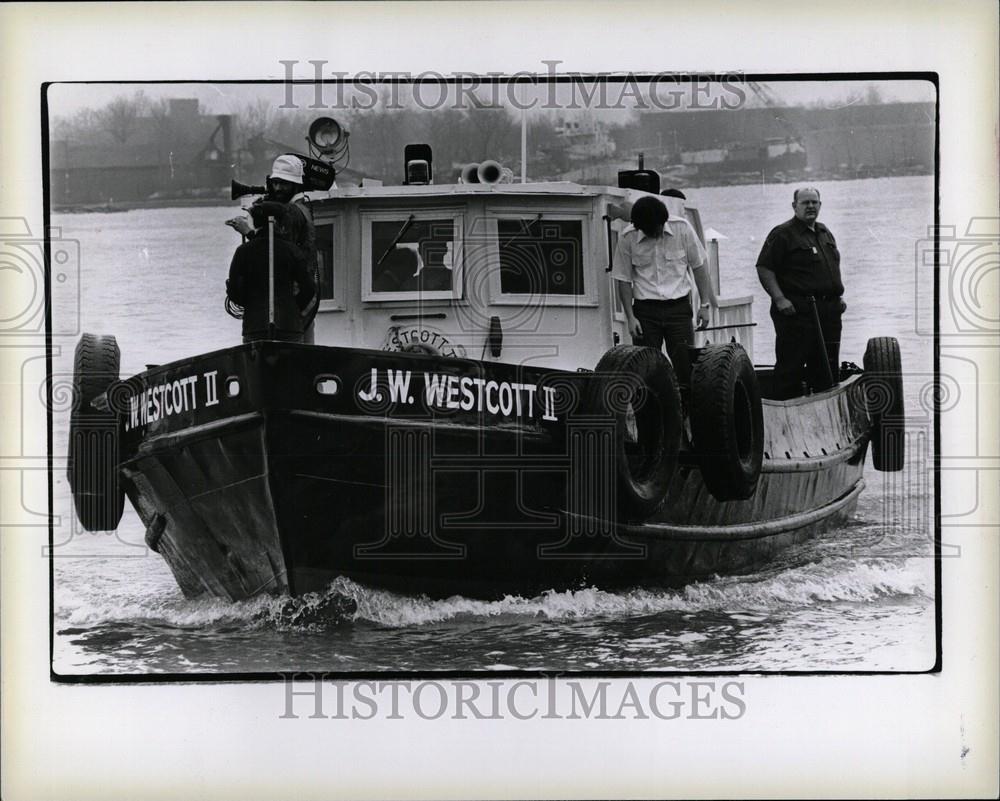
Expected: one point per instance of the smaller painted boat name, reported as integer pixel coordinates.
(422, 339)
(171, 397)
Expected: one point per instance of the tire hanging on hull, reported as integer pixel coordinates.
(92, 468)
(727, 421)
(883, 391)
(636, 388)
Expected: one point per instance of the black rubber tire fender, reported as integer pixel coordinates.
(883, 392)
(94, 445)
(637, 387)
(727, 421)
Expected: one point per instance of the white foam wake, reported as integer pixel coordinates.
(858, 583)
(828, 582)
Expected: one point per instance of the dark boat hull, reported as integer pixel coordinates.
(280, 489)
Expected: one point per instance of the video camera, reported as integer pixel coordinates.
(317, 176)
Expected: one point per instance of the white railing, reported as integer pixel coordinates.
(731, 321)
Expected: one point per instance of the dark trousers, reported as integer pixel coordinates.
(798, 355)
(670, 322)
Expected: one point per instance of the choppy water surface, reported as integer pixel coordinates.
(860, 598)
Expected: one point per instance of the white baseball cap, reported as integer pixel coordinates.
(287, 168)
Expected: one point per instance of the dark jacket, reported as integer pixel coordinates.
(805, 262)
(296, 226)
(302, 232)
(294, 289)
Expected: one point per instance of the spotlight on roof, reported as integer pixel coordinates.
(327, 136)
(418, 161)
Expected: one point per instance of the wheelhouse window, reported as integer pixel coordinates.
(324, 262)
(540, 256)
(412, 255)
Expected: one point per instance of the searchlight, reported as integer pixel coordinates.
(327, 137)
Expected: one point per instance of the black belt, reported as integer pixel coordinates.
(826, 298)
(682, 299)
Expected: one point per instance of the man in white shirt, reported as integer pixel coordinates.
(650, 269)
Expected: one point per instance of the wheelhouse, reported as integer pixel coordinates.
(515, 273)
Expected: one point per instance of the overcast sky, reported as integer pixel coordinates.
(618, 101)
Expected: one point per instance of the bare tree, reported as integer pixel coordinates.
(163, 128)
(443, 131)
(254, 119)
(81, 127)
(119, 116)
(252, 128)
(158, 109)
(491, 131)
(380, 135)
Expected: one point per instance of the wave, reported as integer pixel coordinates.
(345, 601)
(858, 583)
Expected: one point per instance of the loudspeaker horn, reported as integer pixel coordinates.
(489, 172)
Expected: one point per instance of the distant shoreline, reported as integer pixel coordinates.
(132, 205)
(167, 203)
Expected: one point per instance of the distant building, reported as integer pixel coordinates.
(883, 136)
(770, 157)
(181, 153)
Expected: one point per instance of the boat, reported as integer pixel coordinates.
(478, 425)
(772, 158)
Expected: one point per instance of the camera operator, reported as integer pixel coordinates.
(249, 284)
(284, 185)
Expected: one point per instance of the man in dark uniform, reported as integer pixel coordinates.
(249, 283)
(800, 260)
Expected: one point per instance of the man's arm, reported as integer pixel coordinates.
(621, 271)
(771, 254)
(307, 289)
(770, 283)
(625, 294)
(241, 225)
(306, 295)
(706, 292)
(234, 284)
(304, 231)
(697, 260)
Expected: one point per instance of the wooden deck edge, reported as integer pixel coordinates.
(746, 531)
(813, 463)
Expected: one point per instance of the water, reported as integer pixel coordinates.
(860, 598)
